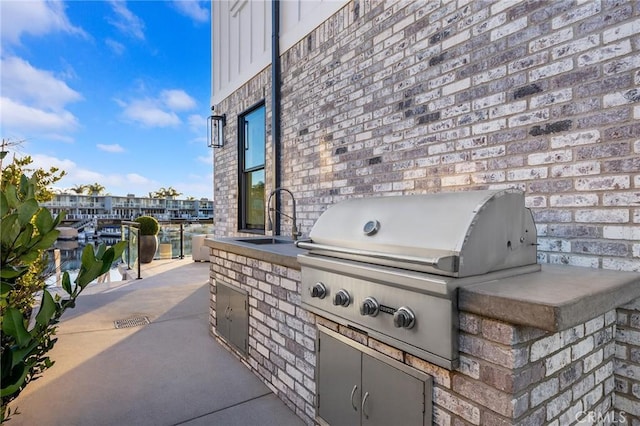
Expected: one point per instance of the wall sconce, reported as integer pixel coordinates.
(215, 130)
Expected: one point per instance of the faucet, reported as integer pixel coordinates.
(294, 227)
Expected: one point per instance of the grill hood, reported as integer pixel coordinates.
(455, 234)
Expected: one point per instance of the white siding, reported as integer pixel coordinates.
(241, 36)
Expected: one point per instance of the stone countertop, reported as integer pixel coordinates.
(556, 298)
(283, 253)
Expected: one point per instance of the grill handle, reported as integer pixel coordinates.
(444, 263)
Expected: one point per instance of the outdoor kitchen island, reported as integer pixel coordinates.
(558, 346)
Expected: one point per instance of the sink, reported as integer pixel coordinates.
(262, 241)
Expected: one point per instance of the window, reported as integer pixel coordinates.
(251, 149)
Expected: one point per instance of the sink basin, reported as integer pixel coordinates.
(262, 241)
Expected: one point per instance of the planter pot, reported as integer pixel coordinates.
(148, 247)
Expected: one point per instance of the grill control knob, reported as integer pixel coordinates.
(318, 290)
(369, 307)
(342, 298)
(404, 318)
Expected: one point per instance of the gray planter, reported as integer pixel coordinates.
(148, 247)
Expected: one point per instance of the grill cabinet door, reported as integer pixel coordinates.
(338, 373)
(390, 396)
(232, 315)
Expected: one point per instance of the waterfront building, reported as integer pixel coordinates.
(82, 207)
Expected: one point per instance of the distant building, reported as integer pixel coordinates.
(79, 207)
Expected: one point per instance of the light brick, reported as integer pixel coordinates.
(581, 348)
(627, 29)
(544, 391)
(605, 53)
(558, 361)
(575, 15)
(592, 361)
(509, 28)
(575, 139)
(602, 215)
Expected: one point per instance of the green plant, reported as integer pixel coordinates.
(27, 231)
(148, 225)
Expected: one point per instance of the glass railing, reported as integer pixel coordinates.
(174, 239)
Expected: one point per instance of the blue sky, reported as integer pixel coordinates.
(113, 92)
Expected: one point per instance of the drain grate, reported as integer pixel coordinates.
(131, 322)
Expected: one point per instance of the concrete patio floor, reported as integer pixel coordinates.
(168, 372)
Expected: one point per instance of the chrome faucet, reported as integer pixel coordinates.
(294, 227)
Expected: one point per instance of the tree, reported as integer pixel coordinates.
(167, 193)
(43, 178)
(79, 189)
(28, 230)
(95, 188)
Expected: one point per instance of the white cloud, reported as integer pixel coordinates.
(198, 125)
(195, 10)
(115, 184)
(36, 17)
(125, 21)
(25, 84)
(115, 47)
(205, 160)
(110, 148)
(33, 101)
(25, 120)
(148, 113)
(158, 111)
(177, 100)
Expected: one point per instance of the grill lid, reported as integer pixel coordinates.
(455, 234)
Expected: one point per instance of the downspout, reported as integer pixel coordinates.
(275, 106)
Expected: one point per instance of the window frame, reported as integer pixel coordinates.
(243, 226)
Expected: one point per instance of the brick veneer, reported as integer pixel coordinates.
(508, 374)
(627, 362)
(282, 335)
(397, 97)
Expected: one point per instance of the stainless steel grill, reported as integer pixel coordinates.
(391, 266)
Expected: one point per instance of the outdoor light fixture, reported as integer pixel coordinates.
(215, 130)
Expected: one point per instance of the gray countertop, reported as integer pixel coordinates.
(556, 298)
(284, 253)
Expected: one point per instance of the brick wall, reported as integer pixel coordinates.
(627, 362)
(399, 97)
(508, 374)
(282, 335)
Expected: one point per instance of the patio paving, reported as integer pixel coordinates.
(168, 372)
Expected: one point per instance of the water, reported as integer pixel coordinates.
(71, 260)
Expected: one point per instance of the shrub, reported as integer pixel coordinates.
(148, 225)
(27, 231)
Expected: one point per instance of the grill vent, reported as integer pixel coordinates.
(131, 322)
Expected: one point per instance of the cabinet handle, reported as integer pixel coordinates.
(353, 392)
(364, 402)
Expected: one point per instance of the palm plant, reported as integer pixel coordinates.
(95, 188)
(79, 189)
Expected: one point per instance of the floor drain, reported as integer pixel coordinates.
(131, 322)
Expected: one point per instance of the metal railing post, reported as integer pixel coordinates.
(181, 241)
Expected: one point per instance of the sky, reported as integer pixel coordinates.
(112, 92)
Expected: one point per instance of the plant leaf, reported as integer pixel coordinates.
(15, 379)
(66, 282)
(4, 205)
(47, 240)
(47, 309)
(13, 325)
(27, 210)
(12, 196)
(44, 221)
(10, 229)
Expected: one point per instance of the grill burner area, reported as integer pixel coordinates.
(391, 266)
